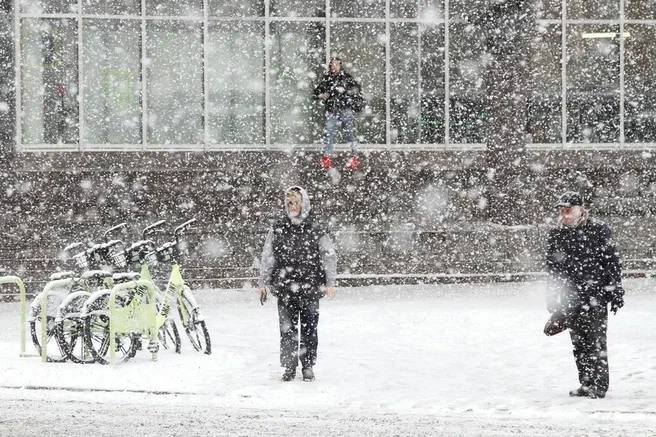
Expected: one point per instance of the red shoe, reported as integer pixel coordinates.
(326, 162)
(354, 163)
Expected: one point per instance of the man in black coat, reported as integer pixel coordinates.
(299, 267)
(581, 256)
(342, 98)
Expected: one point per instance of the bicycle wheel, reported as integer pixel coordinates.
(196, 330)
(70, 336)
(96, 336)
(199, 337)
(55, 353)
(169, 336)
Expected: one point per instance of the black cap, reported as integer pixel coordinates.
(569, 199)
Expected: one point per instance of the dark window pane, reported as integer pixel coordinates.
(174, 82)
(235, 56)
(404, 85)
(185, 8)
(544, 86)
(49, 6)
(592, 84)
(640, 84)
(467, 89)
(298, 8)
(112, 85)
(49, 81)
(428, 10)
(230, 8)
(640, 9)
(548, 9)
(593, 9)
(357, 8)
(114, 7)
(297, 61)
(432, 84)
(363, 52)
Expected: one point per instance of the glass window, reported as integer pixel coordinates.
(113, 7)
(49, 6)
(49, 81)
(544, 121)
(432, 84)
(297, 62)
(467, 100)
(361, 46)
(640, 84)
(230, 8)
(593, 9)
(298, 8)
(112, 85)
(404, 83)
(235, 69)
(548, 9)
(185, 8)
(357, 8)
(174, 82)
(640, 9)
(592, 84)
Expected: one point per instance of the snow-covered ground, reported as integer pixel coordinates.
(396, 360)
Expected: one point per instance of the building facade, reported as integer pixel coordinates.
(492, 105)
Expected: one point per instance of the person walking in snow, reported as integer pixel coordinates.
(342, 97)
(298, 266)
(581, 256)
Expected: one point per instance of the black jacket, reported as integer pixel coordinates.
(586, 261)
(342, 89)
(297, 255)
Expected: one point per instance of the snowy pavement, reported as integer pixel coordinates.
(396, 360)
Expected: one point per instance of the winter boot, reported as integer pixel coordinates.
(326, 161)
(579, 392)
(289, 375)
(354, 163)
(308, 374)
(589, 392)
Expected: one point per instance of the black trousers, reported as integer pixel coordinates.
(588, 334)
(292, 310)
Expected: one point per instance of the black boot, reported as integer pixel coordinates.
(290, 374)
(579, 392)
(308, 374)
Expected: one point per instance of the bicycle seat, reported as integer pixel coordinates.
(96, 274)
(62, 275)
(126, 277)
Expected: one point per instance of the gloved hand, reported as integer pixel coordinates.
(263, 295)
(616, 303)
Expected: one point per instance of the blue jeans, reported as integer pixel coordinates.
(345, 117)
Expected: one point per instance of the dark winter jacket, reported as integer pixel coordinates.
(586, 261)
(342, 89)
(298, 255)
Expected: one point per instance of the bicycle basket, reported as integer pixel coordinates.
(165, 253)
(118, 259)
(151, 258)
(81, 260)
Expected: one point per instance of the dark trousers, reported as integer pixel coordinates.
(292, 309)
(588, 333)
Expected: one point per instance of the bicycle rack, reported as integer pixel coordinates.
(48, 289)
(23, 309)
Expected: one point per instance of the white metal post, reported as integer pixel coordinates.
(80, 78)
(563, 73)
(622, 45)
(447, 91)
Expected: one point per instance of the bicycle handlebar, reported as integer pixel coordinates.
(112, 229)
(151, 229)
